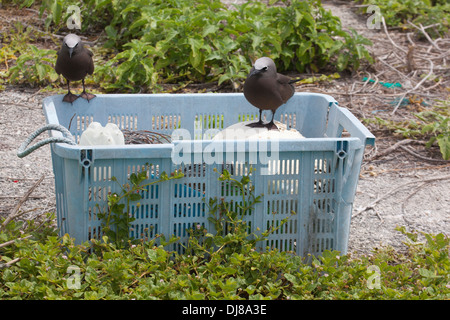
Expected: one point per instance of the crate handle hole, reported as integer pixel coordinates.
(342, 154)
(86, 163)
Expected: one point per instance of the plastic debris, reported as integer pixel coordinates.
(96, 135)
(386, 84)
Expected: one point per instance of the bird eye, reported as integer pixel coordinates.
(265, 68)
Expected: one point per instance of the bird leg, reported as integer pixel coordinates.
(69, 97)
(271, 125)
(258, 124)
(85, 95)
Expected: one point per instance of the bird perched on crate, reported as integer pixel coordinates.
(267, 90)
(74, 62)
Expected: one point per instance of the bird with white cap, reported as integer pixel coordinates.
(267, 90)
(74, 62)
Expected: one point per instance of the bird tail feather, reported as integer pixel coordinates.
(294, 80)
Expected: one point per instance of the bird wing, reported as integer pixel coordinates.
(286, 88)
(90, 68)
(57, 67)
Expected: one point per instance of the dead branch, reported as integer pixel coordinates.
(394, 69)
(395, 190)
(15, 211)
(411, 152)
(7, 243)
(411, 195)
(409, 169)
(417, 86)
(389, 37)
(391, 149)
(8, 264)
(422, 29)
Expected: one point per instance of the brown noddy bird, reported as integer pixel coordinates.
(267, 90)
(74, 62)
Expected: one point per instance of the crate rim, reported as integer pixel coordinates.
(165, 150)
(210, 94)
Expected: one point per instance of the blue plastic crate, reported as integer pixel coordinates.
(315, 177)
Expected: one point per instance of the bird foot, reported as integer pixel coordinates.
(258, 124)
(70, 97)
(87, 96)
(271, 126)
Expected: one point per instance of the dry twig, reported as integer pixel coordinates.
(391, 149)
(9, 263)
(411, 195)
(394, 190)
(417, 86)
(7, 243)
(145, 137)
(389, 37)
(408, 169)
(422, 29)
(411, 152)
(15, 211)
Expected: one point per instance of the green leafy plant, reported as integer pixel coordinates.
(55, 13)
(233, 233)
(180, 41)
(136, 70)
(437, 127)
(23, 61)
(43, 266)
(425, 12)
(37, 264)
(116, 220)
(215, 43)
(35, 67)
(321, 78)
(432, 124)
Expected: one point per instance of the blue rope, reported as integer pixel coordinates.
(67, 138)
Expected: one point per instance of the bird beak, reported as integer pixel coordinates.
(254, 72)
(70, 52)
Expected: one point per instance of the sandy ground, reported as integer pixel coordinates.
(394, 182)
(398, 182)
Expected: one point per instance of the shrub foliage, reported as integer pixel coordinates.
(216, 264)
(155, 42)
